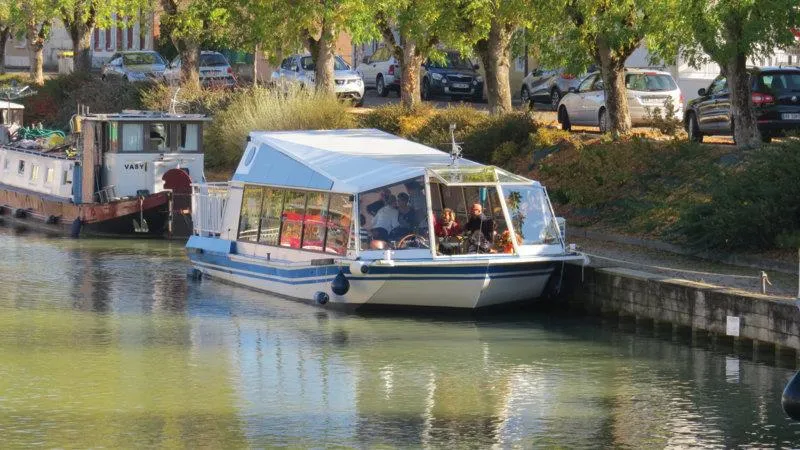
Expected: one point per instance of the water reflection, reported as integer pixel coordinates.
(110, 345)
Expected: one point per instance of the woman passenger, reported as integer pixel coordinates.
(447, 225)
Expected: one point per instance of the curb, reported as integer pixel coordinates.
(725, 258)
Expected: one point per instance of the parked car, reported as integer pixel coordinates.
(215, 70)
(380, 71)
(456, 77)
(300, 69)
(775, 93)
(547, 86)
(647, 90)
(135, 66)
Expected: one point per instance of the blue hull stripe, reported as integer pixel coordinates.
(324, 274)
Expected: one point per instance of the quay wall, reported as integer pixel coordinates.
(700, 308)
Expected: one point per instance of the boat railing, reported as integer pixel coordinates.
(209, 201)
(107, 194)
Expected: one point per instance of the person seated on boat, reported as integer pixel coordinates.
(387, 216)
(379, 239)
(447, 226)
(376, 206)
(479, 231)
(406, 215)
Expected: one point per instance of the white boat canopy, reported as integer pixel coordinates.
(348, 161)
(9, 105)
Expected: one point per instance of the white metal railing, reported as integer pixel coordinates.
(209, 201)
(107, 194)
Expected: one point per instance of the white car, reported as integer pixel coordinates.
(647, 90)
(300, 69)
(214, 70)
(380, 71)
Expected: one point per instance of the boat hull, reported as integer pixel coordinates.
(134, 217)
(436, 284)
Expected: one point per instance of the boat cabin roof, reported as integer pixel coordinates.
(348, 161)
(146, 116)
(9, 105)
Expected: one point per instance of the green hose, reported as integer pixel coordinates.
(34, 133)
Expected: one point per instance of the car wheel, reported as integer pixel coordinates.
(766, 138)
(125, 78)
(604, 123)
(380, 87)
(693, 129)
(525, 96)
(359, 103)
(555, 98)
(426, 89)
(563, 118)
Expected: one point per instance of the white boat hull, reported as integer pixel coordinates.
(438, 284)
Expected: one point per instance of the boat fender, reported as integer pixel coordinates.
(790, 400)
(75, 229)
(51, 220)
(357, 267)
(340, 285)
(194, 274)
(20, 213)
(321, 297)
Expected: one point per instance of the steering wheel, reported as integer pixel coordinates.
(413, 241)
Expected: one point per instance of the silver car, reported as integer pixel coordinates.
(300, 69)
(214, 70)
(135, 66)
(547, 86)
(647, 90)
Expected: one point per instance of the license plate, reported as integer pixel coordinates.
(790, 116)
(460, 85)
(654, 101)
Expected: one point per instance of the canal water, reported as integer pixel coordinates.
(106, 343)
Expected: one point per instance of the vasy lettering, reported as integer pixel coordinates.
(136, 166)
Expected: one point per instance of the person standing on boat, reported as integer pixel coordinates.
(479, 229)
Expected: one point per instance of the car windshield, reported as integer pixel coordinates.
(308, 63)
(453, 61)
(212, 60)
(780, 82)
(135, 59)
(649, 82)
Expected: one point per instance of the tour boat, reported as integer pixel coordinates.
(311, 215)
(126, 174)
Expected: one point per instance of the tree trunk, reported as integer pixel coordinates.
(409, 80)
(81, 35)
(494, 52)
(745, 129)
(36, 37)
(323, 51)
(5, 32)
(612, 70)
(190, 61)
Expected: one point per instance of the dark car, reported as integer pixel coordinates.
(457, 77)
(775, 93)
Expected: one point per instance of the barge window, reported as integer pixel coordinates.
(132, 137)
(250, 212)
(34, 172)
(188, 137)
(292, 218)
(48, 175)
(530, 214)
(314, 221)
(5, 164)
(271, 216)
(159, 138)
(394, 216)
(339, 224)
(21, 168)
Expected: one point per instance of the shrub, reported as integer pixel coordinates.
(499, 138)
(436, 130)
(264, 109)
(208, 101)
(754, 205)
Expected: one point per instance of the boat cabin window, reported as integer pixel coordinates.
(468, 219)
(66, 177)
(34, 173)
(132, 137)
(21, 167)
(313, 221)
(5, 164)
(49, 175)
(394, 216)
(158, 138)
(530, 214)
(189, 137)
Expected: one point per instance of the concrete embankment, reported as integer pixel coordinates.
(738, 318)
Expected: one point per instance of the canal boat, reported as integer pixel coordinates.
(127, 174)
(354, 218)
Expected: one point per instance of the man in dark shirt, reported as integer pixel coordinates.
(479, 242)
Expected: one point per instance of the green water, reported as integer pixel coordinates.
(107, 344)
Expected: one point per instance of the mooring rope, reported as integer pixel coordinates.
(697, 272)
